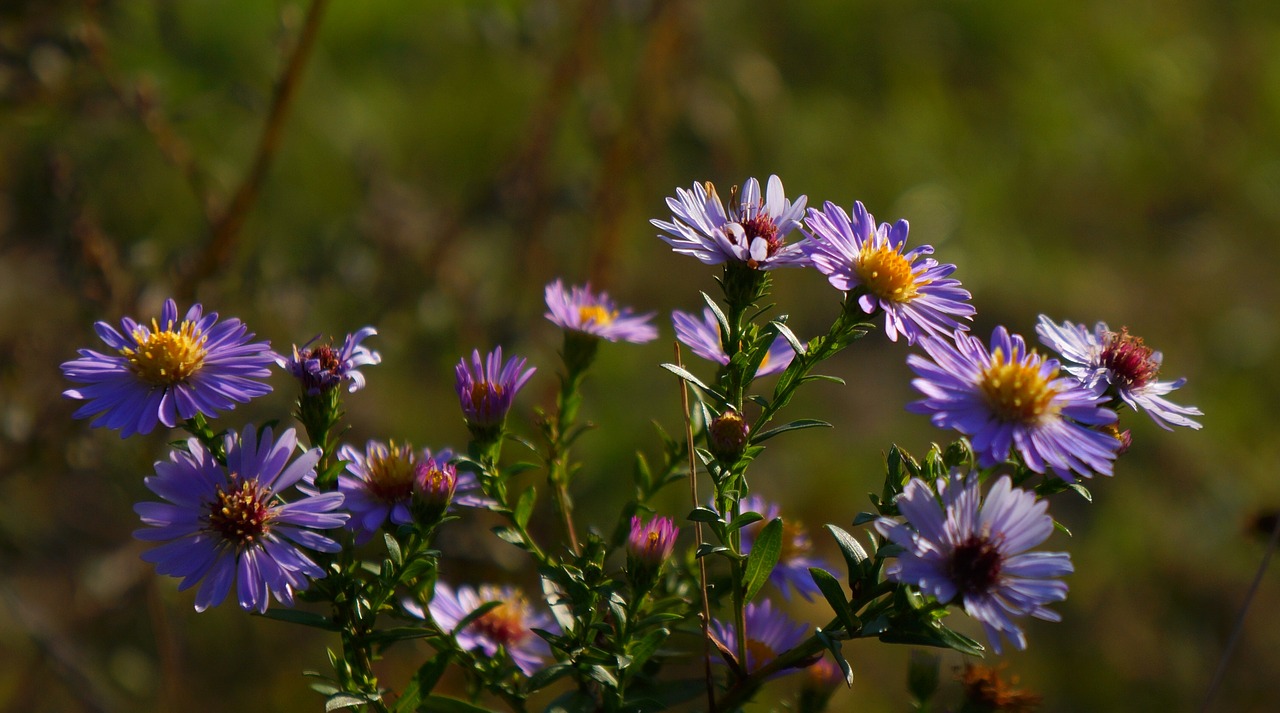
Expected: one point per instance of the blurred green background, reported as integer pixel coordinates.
(441, 161)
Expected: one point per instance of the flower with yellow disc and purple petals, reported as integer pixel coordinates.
(1008, 398)
(486, 388)
(380, 481)
(872, 263)
(703, 337)
(227, 525)
(770, 632)
(508, 627)
(167, 373)
(578, 309)
(792, 570)
(1120, 365)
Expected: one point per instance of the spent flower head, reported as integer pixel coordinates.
(704, 338)
(225, 525)
(168, 372)
(873, 264)
(1119, 365)
(974, 552)
(321, 367)
(749, 230)
(508, 627)
(1010, 398)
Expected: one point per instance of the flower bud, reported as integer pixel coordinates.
(648, 546)
(727, 435)
(434, 483)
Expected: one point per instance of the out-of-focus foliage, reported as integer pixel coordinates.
(442, 161)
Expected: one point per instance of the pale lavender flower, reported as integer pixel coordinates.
(507, 627)
(1118, 363)
(703, 337)
(578, 309)
(1010, 398)
(227, 525)
(975, 552)
(487, 389)
(322, 367)
(914, 291)
(750, 230)
(169, 372)
(770, 632)
(792, 570)
(379, 484)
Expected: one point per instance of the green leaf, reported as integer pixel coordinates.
(788, 335)
(833, 646)
(510, 535)
(1059, 526)
(763, 557)
(305, 618)
(854, 554)
(343, 700)
(746, 518)
(524, 507)
(687, 376)
(705, 549)
(393, 548)
(480, 611)
(445, 704)
(701, 514)
(795, 425)
(835, 596)
(721, 320)
(640, 650)
(549, 675)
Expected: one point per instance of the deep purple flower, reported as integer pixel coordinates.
(974, 552)
(1121, 364)
(1010, 397)
(227, 524)
(168, 372)
(792, 570)
(915, 292)
(487, 388)
(379, 484)
(507, 627)
(703, 337)
(322, 367)
(580, 310)
(749, 230)
(770, 632)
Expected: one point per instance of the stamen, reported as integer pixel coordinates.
(168, 356)
(1016, 391)
(391, 475)
(887, 274)
(240, 515)
(1128, 359)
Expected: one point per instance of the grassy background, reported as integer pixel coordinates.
(443, 161)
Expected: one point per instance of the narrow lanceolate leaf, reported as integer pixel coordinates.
(796, 425)
(524, 507)
(306, 618)
(834, 594)
(852, 550)
(343, 700)
(763, 557)
(479, 612)
(788, 335)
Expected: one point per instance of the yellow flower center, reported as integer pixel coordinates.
(1016, 391)
(169, 356)
(504, 624)
(391, 475)
(597, 314)
(886, 273)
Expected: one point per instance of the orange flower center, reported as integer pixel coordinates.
(239, 513)
(504, 624)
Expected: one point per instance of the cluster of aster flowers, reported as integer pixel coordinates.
(347, 533)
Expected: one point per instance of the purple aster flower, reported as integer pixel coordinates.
(1121, 364)
(913, 290)
(487, 388)
(168, 372)
(1010, 397)
(379, 484)
(792, 570)
(322, 367)
(749, 230)
(703, 337)
(651, 543)
(770, 632)
(975, 552)
(228, 524)
(507, 627)
(580, 310)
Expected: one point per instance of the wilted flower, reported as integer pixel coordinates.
(507, 627)
(1010, 398)
(749, 230)
(169, 372)
(1118, 364)
(703, 337)
(792, 570)
(224, 525)
(770, 632)
(487, 389)
(321, 368)
(580, 310)
(975, 552)
(915, 292)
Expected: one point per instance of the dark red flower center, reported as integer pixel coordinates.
(975, 565)
(503, 624)
(762, 226)
(241, 512)
(1128, 359)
